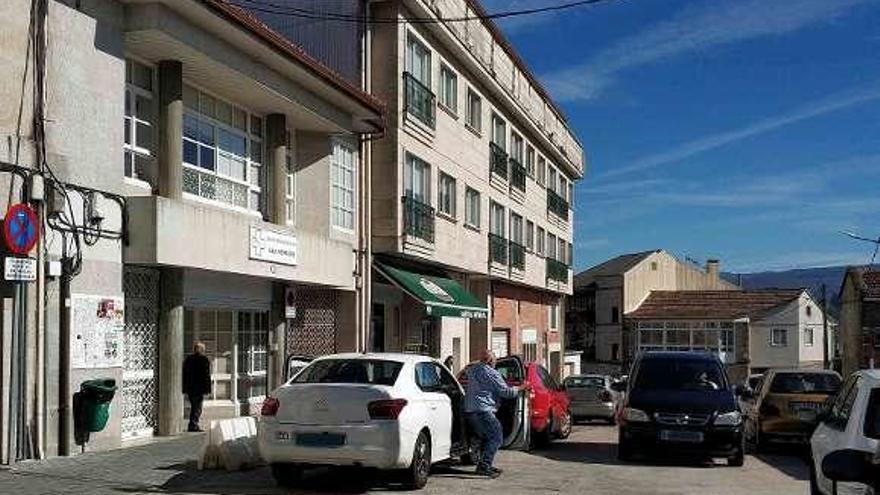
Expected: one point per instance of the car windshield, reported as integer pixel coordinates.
(805, 383)
(366, 371)
(585, 382)
(672, 374)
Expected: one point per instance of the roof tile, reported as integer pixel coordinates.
(716, 304)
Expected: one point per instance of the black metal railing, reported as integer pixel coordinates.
(419, 100)
(557, 270)
(517, 175)
(517, 256)
(497, 249)
(418, 219)
(498, 160)
(557, 204)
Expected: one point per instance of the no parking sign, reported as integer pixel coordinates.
(21, 229)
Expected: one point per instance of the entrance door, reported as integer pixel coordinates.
(252, 343)
(140, 351)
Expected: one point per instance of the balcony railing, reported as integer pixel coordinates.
(418, 219)
(517, 256)
(557, 204)
(419, 100)
(498, 160)
(517, 175)
(497, 249)
(557, 270)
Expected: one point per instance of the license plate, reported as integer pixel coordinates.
(282, 436)
(320, 439)
(683, 436)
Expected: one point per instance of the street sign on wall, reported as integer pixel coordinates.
(21, 229)
(272, 245)
(19, 269)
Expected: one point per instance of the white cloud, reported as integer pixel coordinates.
(708, 25)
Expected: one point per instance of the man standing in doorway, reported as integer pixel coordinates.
(485, 387)
(196, 383)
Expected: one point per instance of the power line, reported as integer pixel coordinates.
(876, 243)
(286, 10)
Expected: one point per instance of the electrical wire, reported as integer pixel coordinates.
(268, 7)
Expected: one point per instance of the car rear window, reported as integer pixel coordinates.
(366, 371)
(585, 382)
(672, 374)
(805, 383)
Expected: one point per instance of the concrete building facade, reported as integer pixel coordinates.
(226, 160)
(859, 323)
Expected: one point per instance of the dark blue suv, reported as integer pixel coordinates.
(680, 403)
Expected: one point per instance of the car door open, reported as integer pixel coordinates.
(514, 413)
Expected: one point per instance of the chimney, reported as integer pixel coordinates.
(713, 269)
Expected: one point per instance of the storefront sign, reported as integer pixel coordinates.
(272, 246)
(19, 269)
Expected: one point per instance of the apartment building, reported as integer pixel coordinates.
(472, 190)
(228, 160)
(860, 319)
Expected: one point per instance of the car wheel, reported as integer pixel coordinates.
(624, 449)
(566, 426)
(420, 468)
(287, 475)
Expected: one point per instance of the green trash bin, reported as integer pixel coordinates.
(95, 403)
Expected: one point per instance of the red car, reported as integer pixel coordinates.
(547, 406)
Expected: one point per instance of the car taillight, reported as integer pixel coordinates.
(605, 396)
(386, 409)
(270, 406)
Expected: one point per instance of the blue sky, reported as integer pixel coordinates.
(747, 130)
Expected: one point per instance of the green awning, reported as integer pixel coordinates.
(441, 296)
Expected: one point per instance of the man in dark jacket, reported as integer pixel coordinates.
(196, 383)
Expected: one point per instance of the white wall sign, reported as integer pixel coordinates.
(19, 269)
(97, 325)
(289, 303)
(272, 246)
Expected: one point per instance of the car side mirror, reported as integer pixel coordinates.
(848, 466)
(619, 386)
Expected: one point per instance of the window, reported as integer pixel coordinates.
(448, 89)
(500, 349)
(516, 228)
(138, 158)
(530, 235)
(446, 195)
(516, 142)
(570, 254)
(427, 377)
(570, 192)
(290, 185)
(496, 220)
(615, 314)
(342, 175)
(542, 170)
(551, 246)
(472, 207)
(474, 111)
(418, 61)
(418, 98)
(253, 350)
(417, 179)
(499, 132)
(809, 310)
(551, 183)
(808, 337)
(222, 151)
(727, 342)
(540, 246)
(561, 252)
(653, 266)
(529, 345)
(563, 187)
(554, 315)
(360, 371)
(779, 337)
(530, 161)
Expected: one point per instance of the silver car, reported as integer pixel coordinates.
(591, 397)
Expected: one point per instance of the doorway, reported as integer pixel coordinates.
(377, 327)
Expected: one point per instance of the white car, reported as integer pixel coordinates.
(851, 421)
(385, 411)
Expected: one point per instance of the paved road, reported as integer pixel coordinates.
(584, 464)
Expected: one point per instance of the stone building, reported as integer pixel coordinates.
(859, 323)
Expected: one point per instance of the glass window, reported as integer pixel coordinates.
(542, 170)
(675, 374)
(808, 337)
(138, 123)
(540, 246)
(552, 182)
(779, 337)
(570, 254)
(551, 246)
(343, 168)
(446, 195)
(554, 315)
(418, 61)
(472, 207)
(530, 234)
(805, 383)
(563, 187)
(448, 89)
(367, 371)
(585, 382)
(530, 160)
(427, 377)
(561, 252)
(290, 185)
(497, 222)
(727, 342)
(417, 177)
(516, 142)
(474, 111)
(516, 228)
(499, 132)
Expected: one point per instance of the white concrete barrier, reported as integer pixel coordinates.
(230, 444)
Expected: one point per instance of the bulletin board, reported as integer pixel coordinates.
(97, 325)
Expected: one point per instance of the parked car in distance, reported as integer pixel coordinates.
(680, 403)
(849, 421)
(591, 397)
(386, 411)
(785, 408)
(548, 404)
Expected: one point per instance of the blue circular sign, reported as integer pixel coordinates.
(21, 229)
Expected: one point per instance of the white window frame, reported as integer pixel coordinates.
(474, 118)
(447, 100)
(413, 46)
(472, 207)
(551, 246)
(530, 235)
(497, 225)
(530, 160)
(131, 150)
(552, 180)
(499, 131)
(774, 341)
(516, 228)
(542, 171)
(290, 182)
(809, 336)
(540, 241)
(446, 199)
(517, 146)
(340, 209)
(553, 324)
(529, 344)
(411, 162)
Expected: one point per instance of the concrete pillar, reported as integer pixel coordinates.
(170, 159)
(276, 166)
(277, 336)
(171, 352)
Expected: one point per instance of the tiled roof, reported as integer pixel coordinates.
(614, 266)
(713, 304)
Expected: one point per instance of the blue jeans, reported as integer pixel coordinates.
(488, 428)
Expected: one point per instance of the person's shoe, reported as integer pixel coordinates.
(488, 472)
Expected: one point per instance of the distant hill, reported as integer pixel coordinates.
(811, 278)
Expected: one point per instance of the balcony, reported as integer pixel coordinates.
(498, 160)
(418, 100)
(517, 256)
(418, 219)
(497, 249)
(557, 204)
(557, 271)
(517, 175)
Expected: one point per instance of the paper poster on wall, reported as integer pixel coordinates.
(97, 323)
